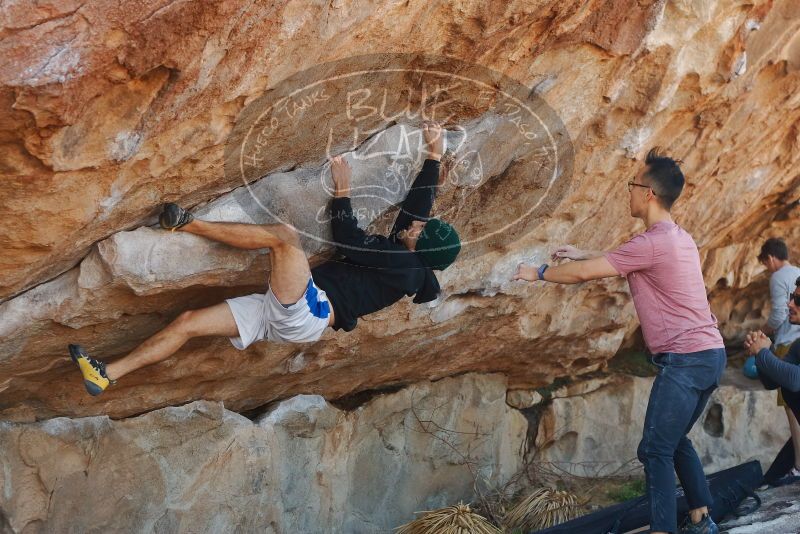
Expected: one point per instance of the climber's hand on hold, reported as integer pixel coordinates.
(434, 139)
(341, 173)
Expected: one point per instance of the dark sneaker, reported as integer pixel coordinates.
(93, 371)
(705, 526)
(791, 478)
(173, 217)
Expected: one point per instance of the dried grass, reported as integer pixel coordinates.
(458, 519)
(543, 508)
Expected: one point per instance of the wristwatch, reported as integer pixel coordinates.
(542, 268)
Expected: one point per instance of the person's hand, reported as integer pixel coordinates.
(434, 139)
(569, 252)
(755, 342)
(749, 338)
(526, 272)
(341, 173)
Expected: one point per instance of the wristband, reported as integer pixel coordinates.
(542, 268)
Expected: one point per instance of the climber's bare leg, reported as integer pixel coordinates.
(215, 320)
(242, 235)
(290, 270)
(288, 280)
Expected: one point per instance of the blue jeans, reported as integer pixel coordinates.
(679, 395)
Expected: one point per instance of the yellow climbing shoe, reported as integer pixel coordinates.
(93, 371)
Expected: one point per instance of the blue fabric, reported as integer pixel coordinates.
(775, 372)
(749, 368)
(320, 309)
(678, 397)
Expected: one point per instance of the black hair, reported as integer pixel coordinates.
(664, 177)
(776, 247)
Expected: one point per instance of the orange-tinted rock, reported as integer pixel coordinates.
(110, 109)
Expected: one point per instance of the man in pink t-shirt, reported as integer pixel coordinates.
(662, 267)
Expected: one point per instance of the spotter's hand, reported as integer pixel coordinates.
(526, 272)
(569, 252)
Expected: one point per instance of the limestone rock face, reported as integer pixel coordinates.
(110, 109)
(580, 432)
(304, 466)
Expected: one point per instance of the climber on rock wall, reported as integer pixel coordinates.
(662, 266)
(373, 273)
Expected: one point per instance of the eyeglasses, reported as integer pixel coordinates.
(631, 185)
(796, 298)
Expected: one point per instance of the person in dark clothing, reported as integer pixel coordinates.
(398, 267)
(777, 373)
(374, 272)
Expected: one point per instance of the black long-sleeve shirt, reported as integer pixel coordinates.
(377, 271)
(774, 372)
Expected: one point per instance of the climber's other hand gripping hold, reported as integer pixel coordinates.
(341, 174)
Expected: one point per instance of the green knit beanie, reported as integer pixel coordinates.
(438, 244)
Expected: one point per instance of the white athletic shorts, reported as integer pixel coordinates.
(263, 317)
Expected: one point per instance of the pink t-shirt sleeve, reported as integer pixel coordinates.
(635, 255)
